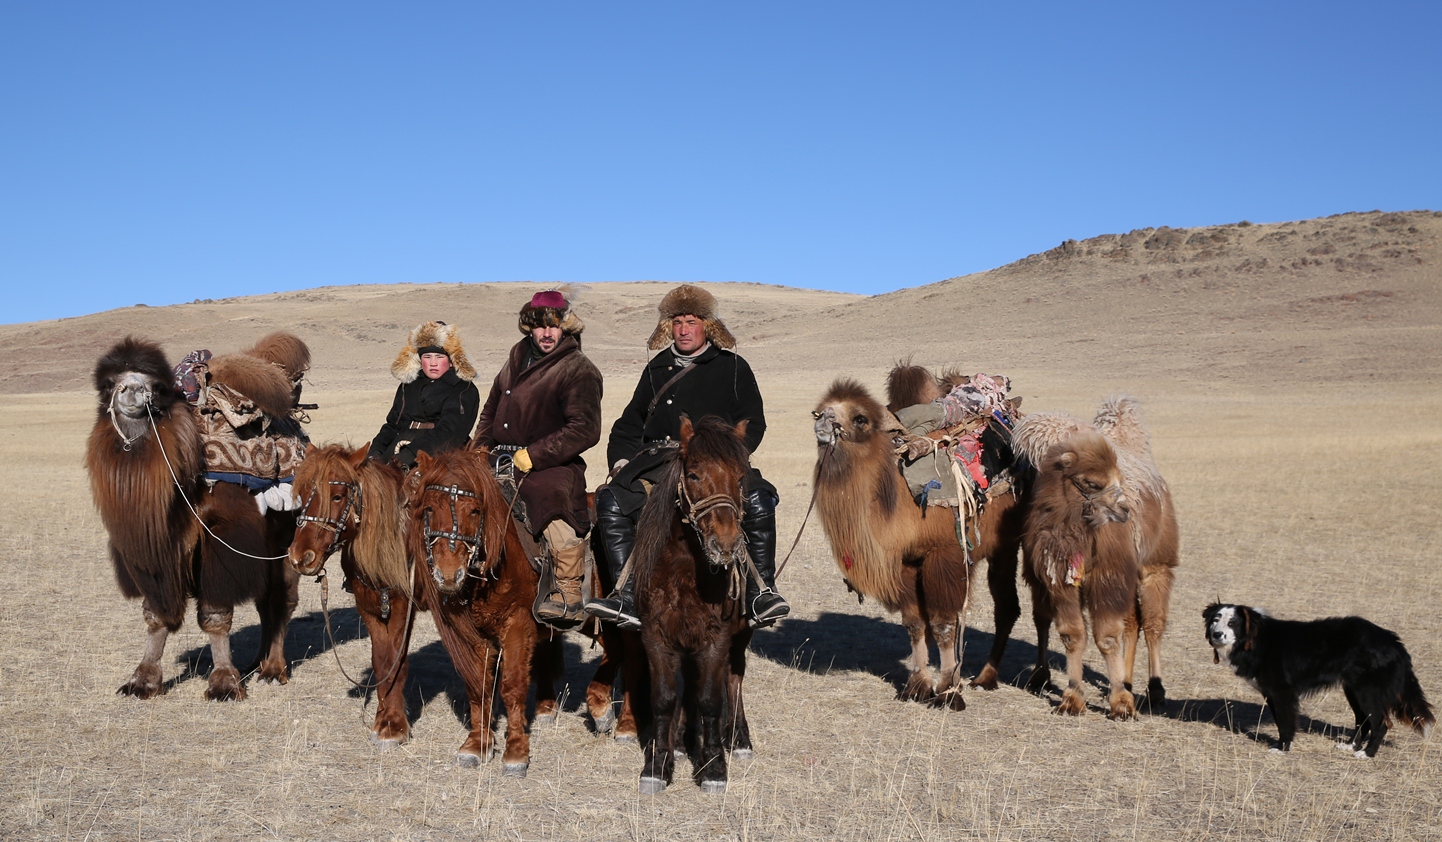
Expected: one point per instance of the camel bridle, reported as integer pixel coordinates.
(127, 441)
(454, 536)
(349, 513)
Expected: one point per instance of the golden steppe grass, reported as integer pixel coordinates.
(1310, 492)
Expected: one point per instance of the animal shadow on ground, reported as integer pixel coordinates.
(1246, 718)
(305, 640)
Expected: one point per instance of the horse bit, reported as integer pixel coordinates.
(693, 510)
(337, 525)
(473, 541)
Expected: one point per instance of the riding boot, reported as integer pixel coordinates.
(617, 535)
(564, 604)
(764, 605)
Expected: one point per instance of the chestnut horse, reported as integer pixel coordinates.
(691, 566)
(355, 507)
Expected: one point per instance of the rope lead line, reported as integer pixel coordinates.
(175, 479)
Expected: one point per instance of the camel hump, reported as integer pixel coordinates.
(909, 385)
(1120, 420)
(1041, 431)
(284, 349)
(260, 381)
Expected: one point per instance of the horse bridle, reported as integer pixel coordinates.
(693, 510)
(337, 525)
(475, 542)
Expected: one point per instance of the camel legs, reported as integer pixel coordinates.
(276, 606)
(145, 682)
(1001, 581)
(225, 683)
(1154, 595)
(1041, 615)
(1107, 630)
(1071, 629)
(918, 685)
(946, 633)
(388, 661)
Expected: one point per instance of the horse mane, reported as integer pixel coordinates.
(862, 498)
(264, 383)
(909, 385)
(379, 549)
(152, 534)
(713, 440)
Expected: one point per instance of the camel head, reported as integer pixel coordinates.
(1090, 478)
(848, 413)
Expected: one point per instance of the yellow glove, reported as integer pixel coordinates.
(522, 460)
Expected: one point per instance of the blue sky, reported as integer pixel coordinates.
(160, 152)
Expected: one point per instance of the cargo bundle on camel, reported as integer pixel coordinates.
(176, 533)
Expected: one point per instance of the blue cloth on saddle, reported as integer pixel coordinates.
(246, 481)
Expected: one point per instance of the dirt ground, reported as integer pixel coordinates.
(1293, 396)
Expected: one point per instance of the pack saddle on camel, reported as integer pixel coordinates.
(912, 540)
(355, 506)
(1102, 537)
(194, 497)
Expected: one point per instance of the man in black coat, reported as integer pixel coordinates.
(436, 404)
(697, 374)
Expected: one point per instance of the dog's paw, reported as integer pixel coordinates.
(1346, 746)
(1360, 754)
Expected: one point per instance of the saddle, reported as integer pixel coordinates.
(957, 451)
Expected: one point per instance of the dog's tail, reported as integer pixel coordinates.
(1413, 708)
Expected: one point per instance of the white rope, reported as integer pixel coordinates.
(176, 480)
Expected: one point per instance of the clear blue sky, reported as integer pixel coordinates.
(160, 152)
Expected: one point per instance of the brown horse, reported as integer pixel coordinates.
(473, 573)
(355, 507)
(172, 536)
(691, 564)
(1101, 536)
(911, 561)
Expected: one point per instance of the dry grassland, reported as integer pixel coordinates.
(1306, 481)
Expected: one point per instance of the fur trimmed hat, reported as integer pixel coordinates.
(432, 335)
(550, 308)
(688, 300)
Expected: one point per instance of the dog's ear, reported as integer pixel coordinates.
(1249, 627)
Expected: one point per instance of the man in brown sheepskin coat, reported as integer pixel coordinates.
(545, 411)
(697, 374)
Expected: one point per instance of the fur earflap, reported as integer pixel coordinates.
(285, 350)
(266, 385)
(142, 357)
(550, 309)
(688, 300)
(407, 366)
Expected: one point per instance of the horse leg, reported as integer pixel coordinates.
(225, 683)
(1071, 628)
(388, 656)
(1154, 596)
(599, 692)
(547, 666)
(635, 688)
(276, 606)
(518, 643)
(1041, 615)
(480, 743)
(145, 682)
(714, 673)
(948, 691)
(737, 731)
(661, 751)
(1107, 630)
(918, 685)
(1001, 581)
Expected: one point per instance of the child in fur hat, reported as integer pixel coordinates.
(436, 403)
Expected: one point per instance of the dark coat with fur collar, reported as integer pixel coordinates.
(551, 407)
(448, 402)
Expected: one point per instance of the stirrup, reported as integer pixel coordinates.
(768, 607)
(612, 609)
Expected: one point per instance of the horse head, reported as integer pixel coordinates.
(329, 483)
(1091, 478)
(453, 502)
(714, 463)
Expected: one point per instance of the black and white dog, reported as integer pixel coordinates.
(1287, 659)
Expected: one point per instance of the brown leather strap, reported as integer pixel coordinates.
(423, 425)
(650, 408)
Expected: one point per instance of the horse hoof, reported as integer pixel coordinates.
(713, 787)
(515, 770)
(468, 761)
(742, 754)
(384, 744)
(604, 724)
(627, 739)
(652, 786)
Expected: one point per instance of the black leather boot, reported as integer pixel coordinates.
(617, 535)
(763, 604)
